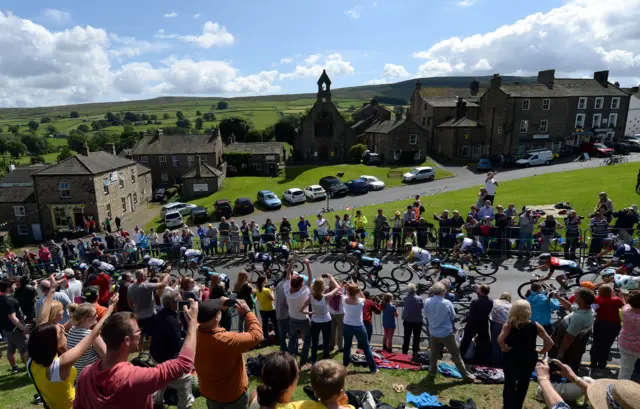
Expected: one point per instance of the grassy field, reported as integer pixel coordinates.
(26, 160)
(18, 390)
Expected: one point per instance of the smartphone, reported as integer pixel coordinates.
(553, 367)
(231, 302)
(182, 304)
(325, 276)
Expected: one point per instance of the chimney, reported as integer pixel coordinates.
(634, 90)
(198, 166)
(110, 148)
(418, 85)
(84, 149)
(496, 81)
(616, 84)
(474, 87)
(461, 107)
(602, 77)
(399, 111)
(215, 132)
(546, 78)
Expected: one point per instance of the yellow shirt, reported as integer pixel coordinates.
(56, 393)
(266, 304)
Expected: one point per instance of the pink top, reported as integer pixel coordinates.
(630, 335)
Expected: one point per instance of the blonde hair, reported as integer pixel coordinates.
(353, 289)
(79, 312)
(56, 308)
(243, 277)
(317, 289)
(519, 313)
(505, 296)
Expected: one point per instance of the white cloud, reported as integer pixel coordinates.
(466, 3)
(196, 16)
(173, 14)
(213, 34)
(575, 39)
(128, 47)
(57, 16)
(390, 73)
(333, 64)
(354, 13)
(286, 60)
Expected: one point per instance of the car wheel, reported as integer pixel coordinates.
(528, 165)
(431, 178)
(547, 163)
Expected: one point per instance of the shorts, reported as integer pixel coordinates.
(571, 273)
(304, 235)
(424, 260)
(475, 251)
(16, 340)
(194, 260)
(146, 325)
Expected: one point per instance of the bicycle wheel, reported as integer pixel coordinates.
(402, 274)
(485, 267)
(523, 288)
(387, 285)
(298, 266)
(343, 266)
(624, 159)
(358, 280)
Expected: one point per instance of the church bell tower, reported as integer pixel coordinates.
(324, 87)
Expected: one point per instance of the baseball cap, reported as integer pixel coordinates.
(69, 272)
(209, 309)
(91, 291)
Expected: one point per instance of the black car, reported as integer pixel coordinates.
(158, 195)
(199, 215)
(503, 161)
(371, 159)
(333, 186)
(222, 208)
(243, 205)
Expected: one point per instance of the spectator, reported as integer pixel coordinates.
(511, 211)
(267, 308)
(478, 324)
(45, 256)
(348, 227)
(371, 306)
(187, 289)
(360, 224)
(245, 292)
(490, 186)
(323, 229)
(572, 240)
(234, 236)
(140, 296)
(101, 280)
(625, 220)
(389, 314)
(328, 384)
(223, 229)
(599, 231)
(547, 232)
(542, 306)
(154, 241)
(246, 237)
(440, 317)
(56, 254)
(269, 231)
(412, 319)
(225, 384)
(339, 228)
(279, 380)
(629, 340)
(297, 292)
(68, 250)
(74, 287)
(396, 232)
(354, 326)
(282, 314)
(114, 382)
(606, 326)
(604, 206)
(444, 231)
(526, 224)
(482, 198)
(123, 292)
(498, 317)
(487, 210)
(84, 317)
(166, 344)
(409, 216)
(303, 229)
(320, 317)
(91, 296)
(378, 235)
(474, 213)
(285, 231)
(26, 296)
(218, 290)
(518, 341)
(14, 330)
(212, 234)
(336, 310)
(255, 234)
(45, 288)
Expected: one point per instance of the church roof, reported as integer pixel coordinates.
(324, 78)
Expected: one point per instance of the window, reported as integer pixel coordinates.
(124, 204)
(599, 103)
(546, 103)
(23, 229)
(610, 136)
(19, 211)
(466, 151)
(121, 179)
(108, 209)
(487, 149)
(499, 130)
(105, 186)
(144, 159)
(556, 145)
(613, 118)
(65, 190)
(133, 175)
(175, 161)
(526, 104)
(424, 121)
(597, 118)
(544, 125)
(417, 155)
(256, 166)
(135, 198)
(428, 121)
(413, 139)
(190, 161)
(62, 217)
(580, 120)
(164, 177)
(615, 103)
(163, 161)
(397, 153)
(582, 103)
(524, 126)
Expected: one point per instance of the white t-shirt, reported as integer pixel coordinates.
(296, 300)
(320, 310)
(322, 225)
(74, 290)
(353, 312)
(490, 187)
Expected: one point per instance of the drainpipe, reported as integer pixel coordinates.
(493, 117)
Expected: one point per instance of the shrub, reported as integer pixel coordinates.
(356, 151)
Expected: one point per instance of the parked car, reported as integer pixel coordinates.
(183, 208)
(595, 149)
(484, 165)
(173, 219)
(419, 174)
(269, 199)
(199, 215)
(158, 195)
(294, 195)
(243, 205)
(357, 186)
(536, 158)
(623, 148)
(370, 158)
(222, 208)
(503, 161)
(633, 144)
(315, 192)
(373, 182)
(333, 186)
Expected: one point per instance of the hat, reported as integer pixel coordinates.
(397, 213)
(527, 209)
(69, 272)
(209, 309)
(621, 393)
(91, 291)
(456, 211)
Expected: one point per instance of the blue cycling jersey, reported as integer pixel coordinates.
(451, 270)
(625, 252)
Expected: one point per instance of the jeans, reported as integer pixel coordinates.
(304, 328)
(524, 240)
(516, 383)
(235, 244)
(604, 333)
(360, 334)
(266, 317)
(183, 388)
(316, 329)
(378, 240)
(596, 245)
(241, 403)
(449, 342)
(369, 327)
(546, 241)
(627, 363)
(224, 244)
(337, 333)
(414, 328)
(497, 356)
(395, 238)
(283, 332)
(570, 247)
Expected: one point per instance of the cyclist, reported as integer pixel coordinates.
(102, 266)
(449, 270)
(352, 245)
(413, 253)
(467, 245)
(191, 255)
(630, 255)
(261, 257)
(619, 281)
(365, 262)
(156, 265)
(553, 263)
(278, 248)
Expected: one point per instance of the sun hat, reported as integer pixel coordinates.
(614, 394)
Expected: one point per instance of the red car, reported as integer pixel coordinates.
(595, 149)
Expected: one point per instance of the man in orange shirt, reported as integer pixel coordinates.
(224, 384)
(91, 296)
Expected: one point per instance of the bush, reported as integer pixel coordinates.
(177, 188)
(356, 151)
(169, 193)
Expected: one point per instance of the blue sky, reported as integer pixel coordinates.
(78, 51)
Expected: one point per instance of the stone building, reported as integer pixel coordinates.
(264, 158)
(397, 140)
(325, 136)
(633, 115)
(366, 116)
(461, 136)
(202, 180)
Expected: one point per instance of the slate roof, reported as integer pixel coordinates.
(141, 170)
(439, 102)
(564, 87)
(21, 176)
(124, 153)
(386, 126)
(206, 171)
(94, 164)
(175, 145)
(256, 148)
(463, 122)
(16, 194)
(450, 92)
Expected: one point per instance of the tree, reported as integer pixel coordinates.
(198, 113)
(4, 140)
(16, 148)
(76, 140)
(64, 154)
(51, 129)
(113, 119)
(153, 117)
(144, 117)
(183, 123)
(166, 116)
(37, 145)
(83, 128)
(37, 159)
(240, 127)
(14, 128)
(131, 116)
(179, 115)
(199, 123)
(254, 135)
(101, 138)
(45, 120)
(209, 117)
(356, 151)
(33, 125)
(74, 114)
(95, 125)
(222, 105)
(285, 129)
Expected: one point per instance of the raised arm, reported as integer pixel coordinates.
(290, 267)
(309, 273)
(336, 287)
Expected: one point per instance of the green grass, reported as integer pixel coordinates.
(26, 160)
(18, 391)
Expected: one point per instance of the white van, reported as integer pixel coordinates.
(536, 158)
(173, 219)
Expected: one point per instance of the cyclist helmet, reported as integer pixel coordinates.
(460, 236)
(95, 263)
(146, 258)
(545, 256)
(408, 245)
(435, 261)
(183, 250)
(82, 267)
(251, 255)
(588, 284)
(608, 272)
(609, 241)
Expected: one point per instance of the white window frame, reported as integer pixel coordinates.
(615, 103)
(65, 190)
(256, 166)
(109, 209)
(123, 201)
(105, 186)
(133, 175)
(546, 101)
(466, 148)
(413, 137)
(526, 104)
(487, 149)
(613, 120)
(580, 123)
(144, 159)
(162, 160)
(175, 161)
(190, 160)
(22, 232)
(499, 130)
(599, 103)
(397, 154)
(19, 211)
(553, 146)
(135, 198)
(121, 177)
(417, 155)
(524, 126)
(164, 177)
(582, 103)
(544, 125)
(596, 123)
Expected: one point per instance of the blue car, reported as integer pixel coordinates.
(269, 199)
(358, 186)
(484, 165)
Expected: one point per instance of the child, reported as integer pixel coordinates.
(389, 314)
(328, 383)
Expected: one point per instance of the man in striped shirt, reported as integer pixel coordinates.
(599, 230)
(572, 226)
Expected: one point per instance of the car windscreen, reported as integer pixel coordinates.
(297, 193)
(269, 196)
(172, 216)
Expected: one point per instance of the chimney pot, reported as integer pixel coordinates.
(474, 87)
(418, 84)
(461, 108)
(496, 81)
(616, 84)
(110, 148)
(84, 149)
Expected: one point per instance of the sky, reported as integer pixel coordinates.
(72, 51)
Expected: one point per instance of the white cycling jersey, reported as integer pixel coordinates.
(191, 253)
(421, 256)
(625, 282)
(467, 243)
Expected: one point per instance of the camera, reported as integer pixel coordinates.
(553, 367)
(230, 303)
(182, 304)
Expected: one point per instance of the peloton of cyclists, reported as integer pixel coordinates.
(421, 257)
(620, 282)
(261, 257)
(630, 255)
(352, 245)
(277, 248)
(546, 262)
(366, 262)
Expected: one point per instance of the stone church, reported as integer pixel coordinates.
(325, 136)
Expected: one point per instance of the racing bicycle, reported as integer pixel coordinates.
(482, 264)
(573, 281)
(364, 279)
